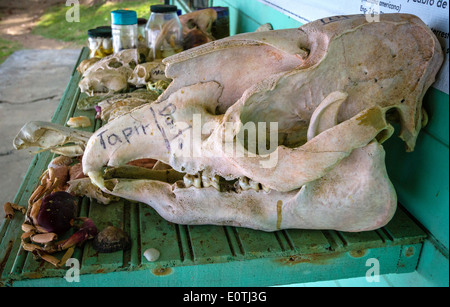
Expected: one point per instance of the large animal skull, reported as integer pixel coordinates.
(327, 86)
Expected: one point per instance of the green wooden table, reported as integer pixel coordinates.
(201, 255)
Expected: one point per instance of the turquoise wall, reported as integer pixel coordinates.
(421, 178)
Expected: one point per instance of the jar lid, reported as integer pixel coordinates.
(123, 17)
(104, 31)
(141, 21)
(162, 8)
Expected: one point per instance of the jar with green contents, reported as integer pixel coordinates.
(164, 34)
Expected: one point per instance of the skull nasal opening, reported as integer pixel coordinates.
(270, 125)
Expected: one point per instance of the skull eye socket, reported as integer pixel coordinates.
(132, 64)
(291, 128)
(115, 64)
(191, 24)
(141, 73)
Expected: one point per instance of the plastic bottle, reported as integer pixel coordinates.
(164, 34)
(124, 30)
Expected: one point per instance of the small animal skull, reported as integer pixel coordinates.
(110, 74)
(147, 72)
(327, 87)
(197, 27)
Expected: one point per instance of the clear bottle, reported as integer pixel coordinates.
(124, 30)
(142, 22)
(164, 34)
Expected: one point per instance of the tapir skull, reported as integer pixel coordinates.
(318, 96)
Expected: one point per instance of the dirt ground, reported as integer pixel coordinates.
(18, 17)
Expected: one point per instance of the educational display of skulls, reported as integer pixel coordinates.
(137, 67)
(276, 129)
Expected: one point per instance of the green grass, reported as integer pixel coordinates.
(7, 47)
(53, 23)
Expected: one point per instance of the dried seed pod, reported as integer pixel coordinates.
(111, 239)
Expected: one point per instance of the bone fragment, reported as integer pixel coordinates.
(79, 122)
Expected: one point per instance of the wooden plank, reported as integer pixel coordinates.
(360, 240)
(103, 216)
(258, 243)
(155, 232)
(234, 242)
(308, 241)
(134, 232)
(336, 242)
(403, 230)
(13, 257)
(184, 243)
(209, 244)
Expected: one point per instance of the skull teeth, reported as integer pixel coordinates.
(245, 183)
(208, 181)
(265, 188)
(203, 181)
(192, 180)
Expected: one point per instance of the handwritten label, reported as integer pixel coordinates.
(108, 139)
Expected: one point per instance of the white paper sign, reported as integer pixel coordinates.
(435, 13)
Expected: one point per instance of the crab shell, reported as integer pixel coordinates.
(327, 87)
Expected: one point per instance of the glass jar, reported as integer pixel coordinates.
(164, 34)
(124, 30)
(100, 42)
(142, 22)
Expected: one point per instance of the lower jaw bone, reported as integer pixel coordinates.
(331, 202)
